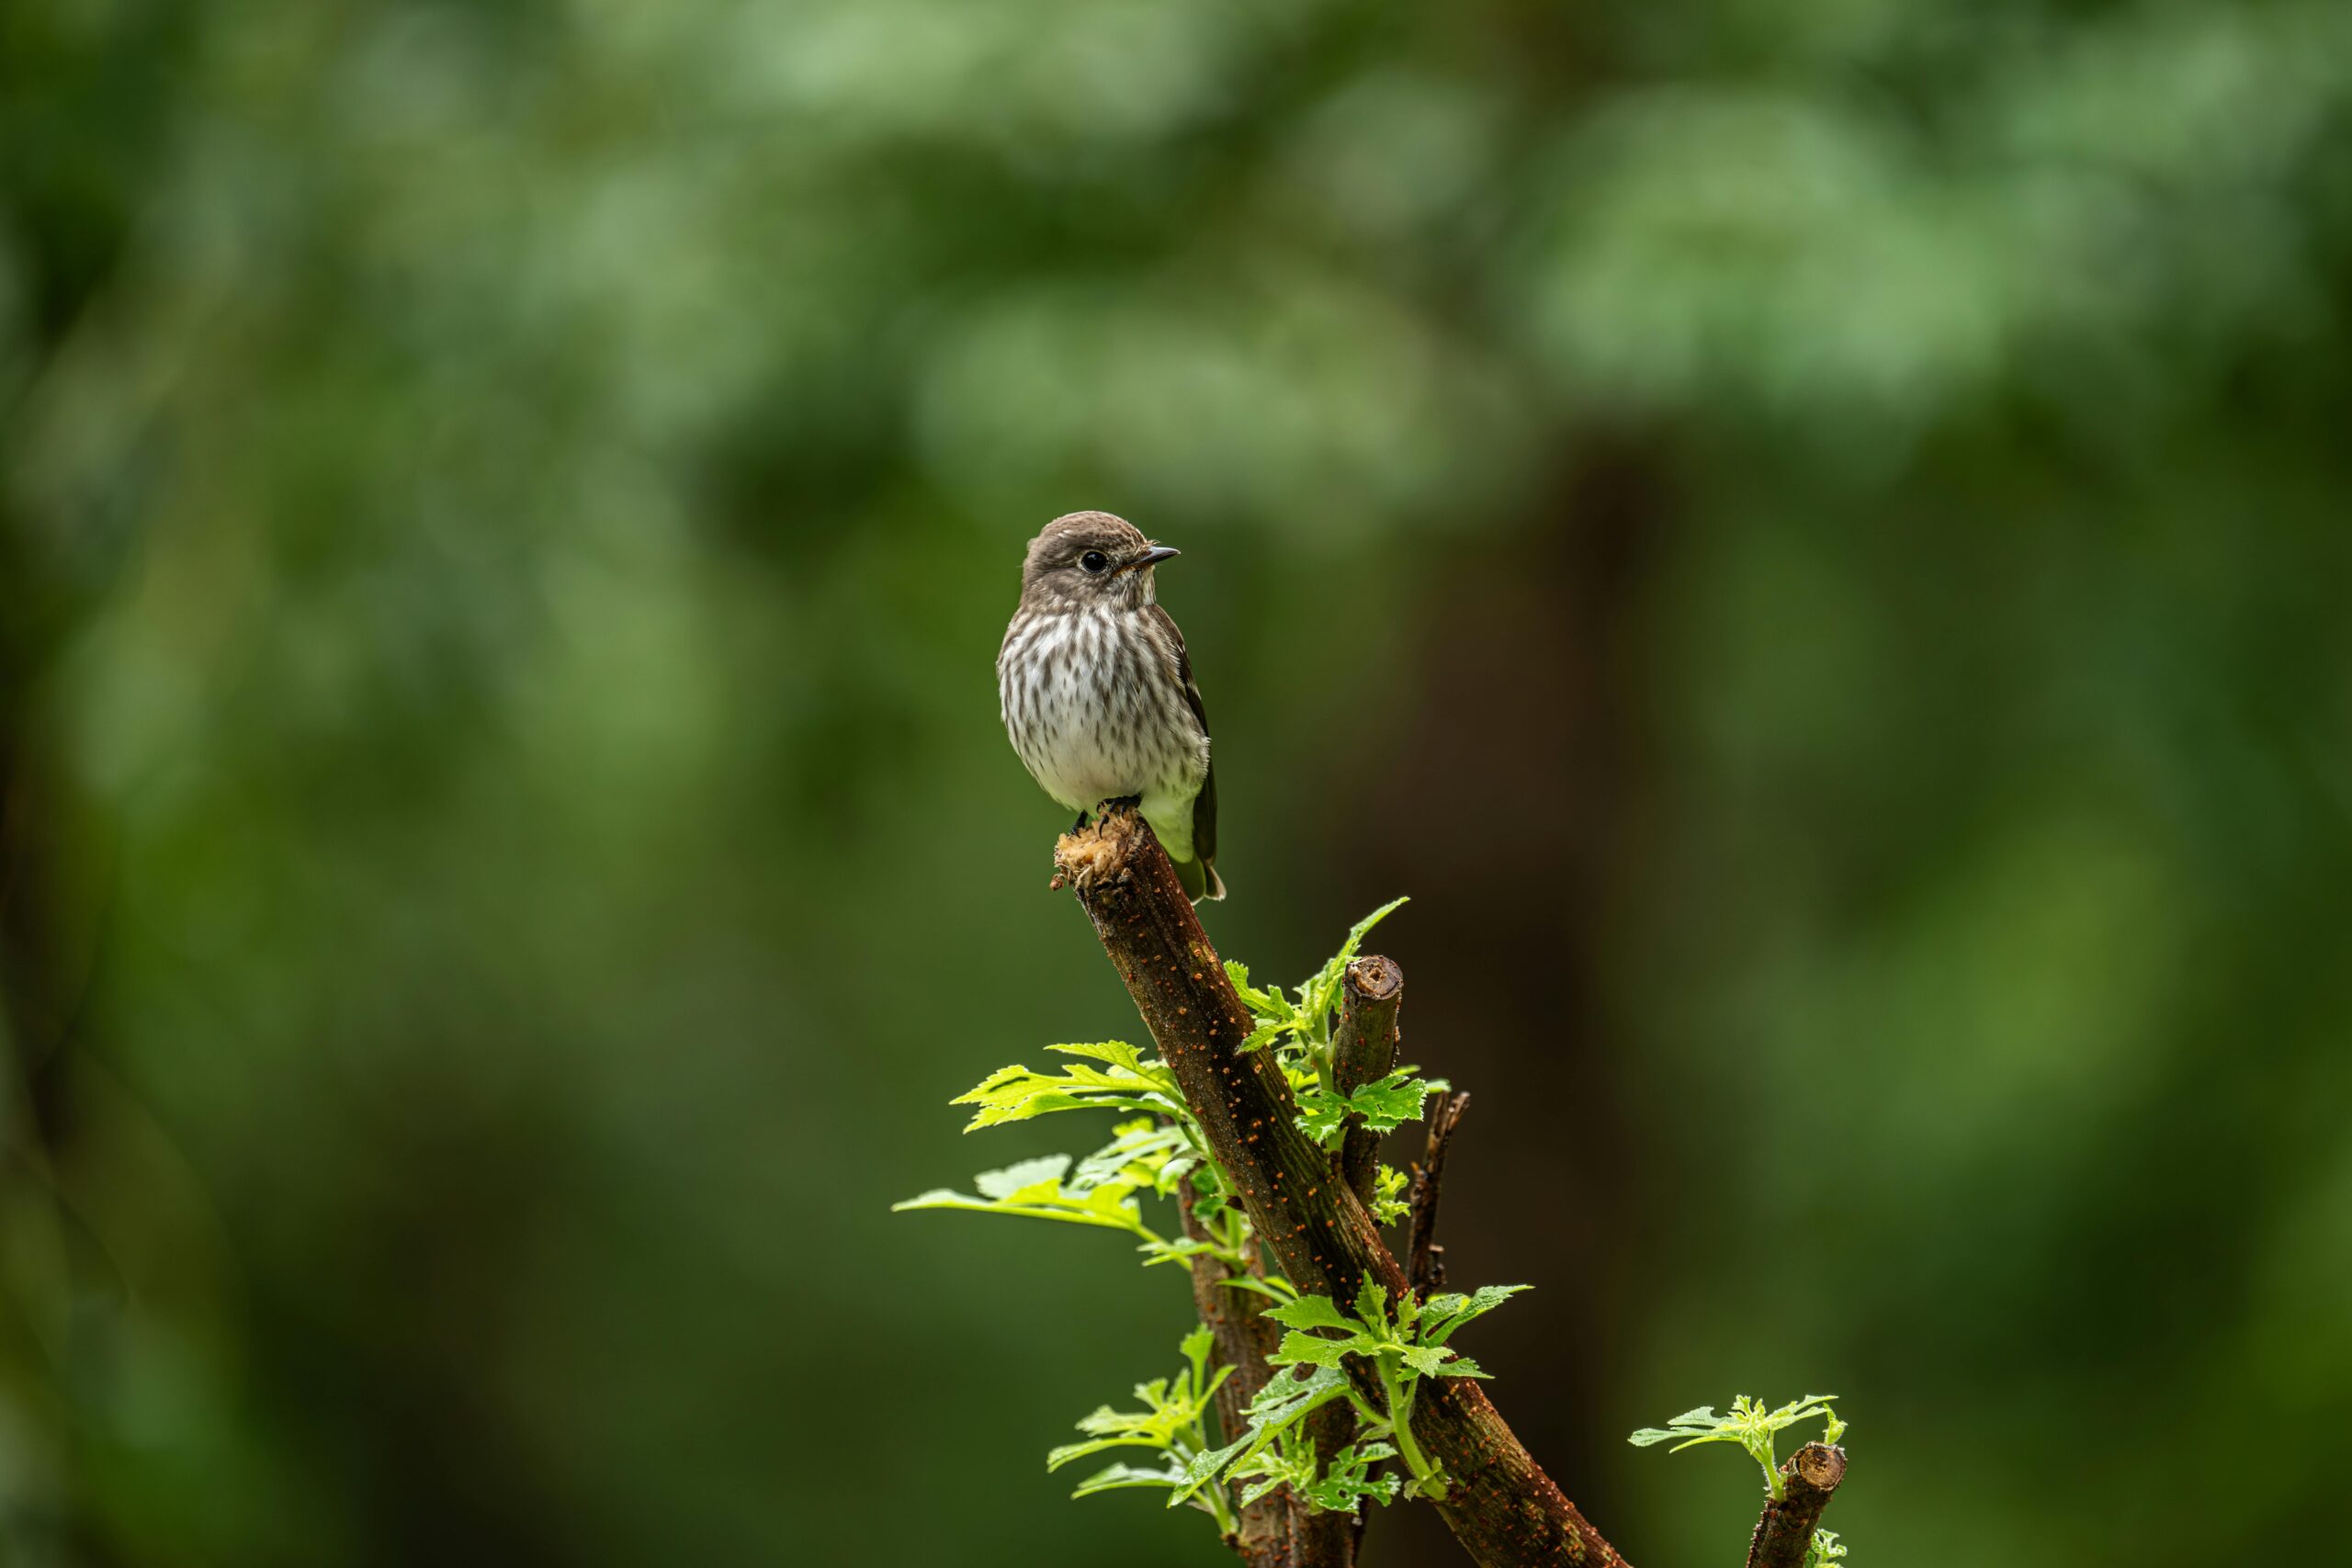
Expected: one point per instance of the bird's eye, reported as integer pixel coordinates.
(1093, 560)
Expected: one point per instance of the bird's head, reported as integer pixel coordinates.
(1089, 558)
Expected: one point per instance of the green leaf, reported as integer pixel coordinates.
(1322, 993)
(1274, 1289)
(1056, 1458)
(1445, 1313)
(1750, 1425)
(1125, 1082)
(1045, 1172)
(1371, 1304)
(1203, 1467)
(1311, 1312)
(1427, 1360)
(1068, 1214)
(1314, 1351)
(1121, 1476)
(1117, 1052)
(1384, 1105)
(1281, 1405)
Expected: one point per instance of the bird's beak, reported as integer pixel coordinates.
(1151, 557)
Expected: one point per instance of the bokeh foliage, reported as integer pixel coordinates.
(1812, 540)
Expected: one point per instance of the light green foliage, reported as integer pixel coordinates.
(1750, 1425)
(1402, 1342)
(1173, 1423)
(1824, 1550)
(1123, 1082)
(1338, 1486)
(1402, 1345)
(1384, 1104)
(1300, 1033)
(1144, 1156)
(1308, 1022)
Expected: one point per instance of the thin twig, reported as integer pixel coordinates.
(1425, 1259)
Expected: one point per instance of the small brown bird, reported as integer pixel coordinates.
(1098, 693)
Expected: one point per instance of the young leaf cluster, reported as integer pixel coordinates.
(1123, 1082)
(1750, 1425)
(1156, 1152)
(1306, 1023)
(1172, 1424)
(1824, 1550)
(1300, 1031)
(1401, 1346)
(1390, 1202)
(1340, 1487)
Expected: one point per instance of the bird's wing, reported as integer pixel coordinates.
(1204, 804)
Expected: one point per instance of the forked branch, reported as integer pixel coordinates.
(1500, 1504)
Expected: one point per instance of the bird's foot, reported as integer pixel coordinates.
(1090, 854)
(1119, 803)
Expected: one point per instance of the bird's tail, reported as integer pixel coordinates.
(1200, 879)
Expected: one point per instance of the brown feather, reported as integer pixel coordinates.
(1204, 804)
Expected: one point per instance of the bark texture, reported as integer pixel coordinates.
(1501, 1507)
(1785, 1530)
(1364, 1048)
(1425, 1260)
(1244, 1339)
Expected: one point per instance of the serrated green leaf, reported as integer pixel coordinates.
(1045, 1170)
(1056, 1458)
(1125, 1082)
(1117, 1052)
(1426, 1359)
(1204, 1467)
(1314, 1351)
(1121, 1476)
(1383, 1105)
(1068, 1214)
(1322, 993)
(1310, 1312)
(1273, 1289)
(1445, 1313)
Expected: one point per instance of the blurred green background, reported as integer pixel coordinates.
(1812, 540)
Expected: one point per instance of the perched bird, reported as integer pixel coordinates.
(1098, 694)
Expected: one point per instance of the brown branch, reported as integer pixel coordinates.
(1506, 1512)
(1425, 1260)
(1325, 1540)
(1785, 1530)
(1245, 1338)
(1364, 1048)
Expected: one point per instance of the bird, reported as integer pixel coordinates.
(1097, 689)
